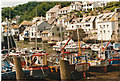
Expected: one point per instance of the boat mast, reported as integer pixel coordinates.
(101, 39)
(78, 41)
(61, 32)
(36, 32)
(8, 25)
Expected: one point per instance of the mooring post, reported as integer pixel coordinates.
(65, 70)
(19, 71)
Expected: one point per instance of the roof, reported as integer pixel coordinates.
(51, 21)
(88, 19)
(65, 8)
(26, 23)
(63, 17)
(45, 32)
(77, 3)
(68, 19)
(54, 9)
(15, 26)
(89, 2)
(106, 17)
(76, 19)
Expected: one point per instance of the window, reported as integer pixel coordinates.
(61, 29)
(32, 33)
(118, 19)
(104, 31)
(118, 31)
(104, 26)
(118, 25)
(72, 6)
(57, 29)
(77, 26)
(107, 26)
(113, 32)
(90, 4)
(80, 25)
(87, 25)
(53, 34)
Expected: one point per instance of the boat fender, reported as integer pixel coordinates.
(56, 69)
(51, 68)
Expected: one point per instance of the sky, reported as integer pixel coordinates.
(10, 3)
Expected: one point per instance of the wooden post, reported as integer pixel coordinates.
(19, 71)
(45, 59)
(65, 70)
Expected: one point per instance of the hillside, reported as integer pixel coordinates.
(28, 11)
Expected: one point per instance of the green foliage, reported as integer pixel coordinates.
(111, 6)
(28, 11)
(79, 14)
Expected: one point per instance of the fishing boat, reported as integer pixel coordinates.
(110, 59)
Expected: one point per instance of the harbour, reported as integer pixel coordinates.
(62, 46)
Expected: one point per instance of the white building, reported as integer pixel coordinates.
(32, 32)
(86, 23)
(68, 21)
(15, 30)
(4, 23)
(75, 6)
(106, 27)
(53, 13)
(61, 21)
(89, 5)
(101, 3)
(64, 11)
(86, 5)
(38, 19)
(102, 17)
